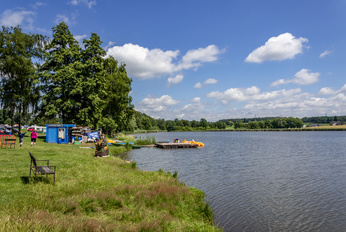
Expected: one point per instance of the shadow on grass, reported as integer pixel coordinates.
(40, 179)
(25, 179)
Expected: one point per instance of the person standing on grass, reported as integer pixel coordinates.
(33, 137)
(21, 136)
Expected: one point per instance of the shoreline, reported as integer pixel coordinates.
(109, 194)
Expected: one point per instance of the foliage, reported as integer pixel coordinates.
(276, 123)
(145, 141)
(82, 86)
(18, 82)
(118, 101)
(60, 76)
(324, 119)
(93, 194)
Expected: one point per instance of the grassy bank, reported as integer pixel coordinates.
(94, 194)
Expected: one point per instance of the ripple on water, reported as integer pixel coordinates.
(262, 181)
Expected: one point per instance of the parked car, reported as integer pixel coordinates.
(5, 130)
(31, 129)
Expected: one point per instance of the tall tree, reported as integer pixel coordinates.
(118, 105)
(92, 82)
(60, 74)
(18, 83)
(203, 123)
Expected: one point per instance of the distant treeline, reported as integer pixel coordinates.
(324, 119)
(142, 121)
(276, 123)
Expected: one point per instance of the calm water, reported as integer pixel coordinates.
(261, 181)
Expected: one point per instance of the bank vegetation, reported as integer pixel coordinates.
(94, 194)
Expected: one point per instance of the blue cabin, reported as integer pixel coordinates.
(58, 133)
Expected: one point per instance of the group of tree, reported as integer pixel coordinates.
(144, 122)
(276, 123)
(58, 80)
(324, 119)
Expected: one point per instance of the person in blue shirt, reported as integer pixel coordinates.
(21, 136)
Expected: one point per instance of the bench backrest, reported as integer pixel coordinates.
(33, 159)
(3, 137)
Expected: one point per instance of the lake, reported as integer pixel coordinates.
(261, 181)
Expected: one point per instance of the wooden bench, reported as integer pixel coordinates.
(8, 140)
(40, 170)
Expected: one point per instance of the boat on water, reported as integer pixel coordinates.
(199, 144)
(118, 142)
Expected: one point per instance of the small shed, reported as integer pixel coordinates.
(58, 133)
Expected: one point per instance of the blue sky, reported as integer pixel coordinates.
(212, 59)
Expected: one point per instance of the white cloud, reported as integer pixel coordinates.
(195, 58)
(63, 18)
(196, 100)
(11, 18)
(110, 44)
(198, 85)
(252, 93)
(194, 106)
(152, 104)
(327, 91)
(210, 81)
(144, 63)
(80, 38)
(303, 77)
(299, 105)
(325, 53)
(175, 80)
(36, 5)
(88, 3)
(248, 102)
(331, 91)
(282, 47)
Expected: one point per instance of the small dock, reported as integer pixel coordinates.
(175, 145)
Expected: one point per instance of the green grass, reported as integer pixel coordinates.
(148, 140)
(94, 194)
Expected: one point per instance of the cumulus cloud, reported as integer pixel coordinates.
(299, 105)
(150, 104)
(252, 93)
(175, 80)
(331, 91)
(145, 63)
(325, 53)
(248, 102)
(195, 58)
(194, 105)
(11, 18)
(282, 47)
(209, 81)
(327, 91)
(303, 77)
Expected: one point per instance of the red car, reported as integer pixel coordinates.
(31, 129)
